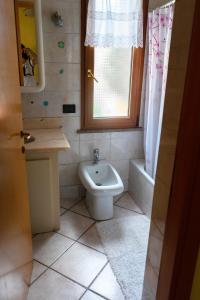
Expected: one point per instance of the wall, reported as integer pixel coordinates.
(173, 100)
(62, 67)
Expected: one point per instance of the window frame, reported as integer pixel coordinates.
(87, 62)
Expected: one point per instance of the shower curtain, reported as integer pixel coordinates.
(157, 56)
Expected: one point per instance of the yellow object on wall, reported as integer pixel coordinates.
(28, 33)
(196, 283)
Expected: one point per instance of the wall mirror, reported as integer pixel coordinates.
(30, 45)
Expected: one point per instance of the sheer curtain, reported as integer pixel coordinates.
(157, 50)
(115, 23)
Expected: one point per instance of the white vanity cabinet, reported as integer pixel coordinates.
(43, 178)
(43, 186)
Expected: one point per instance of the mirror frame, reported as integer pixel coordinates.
(40, 51)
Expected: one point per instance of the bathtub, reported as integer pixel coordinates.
(141, 186)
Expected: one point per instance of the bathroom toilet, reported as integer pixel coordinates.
(102, 183)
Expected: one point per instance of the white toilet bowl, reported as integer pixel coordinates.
(102, 183)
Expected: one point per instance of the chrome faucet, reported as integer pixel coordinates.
(96, 156)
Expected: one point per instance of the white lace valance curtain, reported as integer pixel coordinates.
(115, 23)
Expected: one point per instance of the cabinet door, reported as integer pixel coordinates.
(40, 195)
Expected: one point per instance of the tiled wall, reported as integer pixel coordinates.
(62, 67)
(174, 93)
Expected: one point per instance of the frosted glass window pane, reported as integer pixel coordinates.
(112, 68)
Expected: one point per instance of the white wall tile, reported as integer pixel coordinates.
(122, 167)
(70, 192)
(55, 100)
(141, 188)
(127, 145)
(32, 105)
(90, 141)
(69, 174)
(70, 12)
(54, 106)
(71, 155)
(70, 53)
(95, 136)
(73, 97)
(62, 77)
(125, 182)
(126, 134)
(70, 127)
(120, 149)
(87, 147)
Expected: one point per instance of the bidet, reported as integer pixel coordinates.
(102, 183)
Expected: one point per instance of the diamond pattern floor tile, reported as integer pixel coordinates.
(81, 209)
(107, 285)
(47, 247)
(80, 263)
(53, 286)
(74, 225)
(126, 201)
(92, 239)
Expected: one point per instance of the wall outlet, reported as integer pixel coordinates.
(69, 108)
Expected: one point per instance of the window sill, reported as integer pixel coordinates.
(109, 130)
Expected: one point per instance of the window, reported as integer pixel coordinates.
(111, 84)
(111, 93)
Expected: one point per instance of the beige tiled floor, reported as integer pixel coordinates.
(62, 210)
(38, 269)
(81, 209)
(81, 264)
(127, 202)
(74, 225)
(71, 263)
(106, 285)
(91, 238)
(47, 247)
(68, 203)
(91, 296)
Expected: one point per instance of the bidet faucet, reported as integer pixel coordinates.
(96, 156)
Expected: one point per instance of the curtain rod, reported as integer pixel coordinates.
(168, 4)
(164, 5)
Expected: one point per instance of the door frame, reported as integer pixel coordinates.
(182, 232)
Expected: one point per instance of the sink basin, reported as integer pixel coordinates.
(100, 177)
(102, 174)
